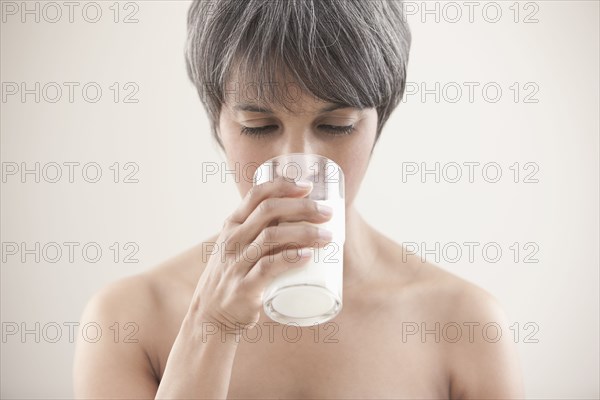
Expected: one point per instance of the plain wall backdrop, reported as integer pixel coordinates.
(533, 69)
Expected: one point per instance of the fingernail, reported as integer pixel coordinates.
(325, 234)
(304, 184)
(305, 252)
(324, 209)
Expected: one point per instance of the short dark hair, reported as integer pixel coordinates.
(351, 52)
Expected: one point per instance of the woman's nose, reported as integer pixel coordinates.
(299, 142)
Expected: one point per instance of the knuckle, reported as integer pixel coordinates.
(266, 206)
(228, 232)
(264, 268)
(253, 191)
(231, 247)
(270, 233)
(228, 222)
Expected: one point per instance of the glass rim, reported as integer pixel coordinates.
(315, 155)
(268, 164)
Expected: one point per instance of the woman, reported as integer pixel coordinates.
(279, 77)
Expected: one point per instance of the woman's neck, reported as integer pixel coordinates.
(361, 249)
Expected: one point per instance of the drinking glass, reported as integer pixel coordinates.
(310, 294)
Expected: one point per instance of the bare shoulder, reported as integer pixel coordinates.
(126, 296)
(124, 323)
(441, 291)
(472, 327)
(438, 294)
(139, 295)
(110, 351)
(482, 358)
(461, 299)
(145, 296)
(465, 324)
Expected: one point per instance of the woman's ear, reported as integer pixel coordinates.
(217, 136)
(217, 127)
(219, 140)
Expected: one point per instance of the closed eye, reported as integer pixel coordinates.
(259, 131)
(339, 130)
(264, 130)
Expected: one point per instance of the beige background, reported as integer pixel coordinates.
(170, 209)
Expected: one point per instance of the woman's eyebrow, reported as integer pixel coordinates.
(333, 107)
(264, 110)
(252, 108)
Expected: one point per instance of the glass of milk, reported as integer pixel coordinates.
(310, 294)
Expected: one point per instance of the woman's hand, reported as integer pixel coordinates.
(252, 250)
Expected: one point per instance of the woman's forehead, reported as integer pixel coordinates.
(269, 100)
(274, 90)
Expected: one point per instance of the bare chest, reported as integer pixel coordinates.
(340, 359)
(359, 354)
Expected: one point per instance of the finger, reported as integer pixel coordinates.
(279, 187)
(269, 267)
(275, 239)
(273, 211)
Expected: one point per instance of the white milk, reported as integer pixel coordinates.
(312, 293)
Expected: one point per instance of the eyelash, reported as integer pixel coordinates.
(264, 130)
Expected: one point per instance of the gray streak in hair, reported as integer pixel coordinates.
(351, 52)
